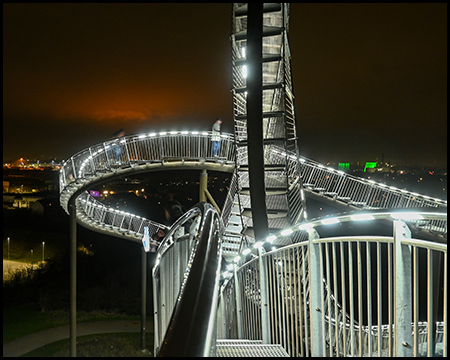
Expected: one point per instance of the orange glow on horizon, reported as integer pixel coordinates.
(101, 102)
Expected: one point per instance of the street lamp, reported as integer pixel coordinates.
(8, 248)
(31, 255)
(43, 245)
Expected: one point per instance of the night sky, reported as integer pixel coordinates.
(369, 79)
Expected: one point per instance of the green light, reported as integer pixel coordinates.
(370, 165)
(344, 166)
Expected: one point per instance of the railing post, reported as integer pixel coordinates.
(265, 318)
(237, 292)
(126, 149)
(74, 169)
(108, 161)
(92, 162)
(316, 285)
(403, 343)
(221, 325)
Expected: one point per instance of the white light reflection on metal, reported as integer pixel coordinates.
(362, 217)
(330, 221)
(407, 216)
(271, 238)
(246, 251)
(286, 232)
(305, 226)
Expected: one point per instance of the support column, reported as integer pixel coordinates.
(143, 297)
(73, 276)
(203, 185)
(254, 121)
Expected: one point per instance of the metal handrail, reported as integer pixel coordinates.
(186, 283)
(141, 152)
(361, 193)
(276, 296)
(102, 218)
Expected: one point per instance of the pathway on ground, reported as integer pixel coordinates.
(10, 265)
(34, 341)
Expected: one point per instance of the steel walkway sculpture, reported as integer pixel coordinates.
(294, 292)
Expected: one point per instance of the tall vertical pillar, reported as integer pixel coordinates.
(254, 120)
(203, 185)
(143, 296)
(73, 276)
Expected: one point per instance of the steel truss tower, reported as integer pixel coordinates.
(283, 185)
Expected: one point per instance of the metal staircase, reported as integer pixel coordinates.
(282, 176)
(289, 296)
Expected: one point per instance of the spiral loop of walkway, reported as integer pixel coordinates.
(192, 150)
(289, 180)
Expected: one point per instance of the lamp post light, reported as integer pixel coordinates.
(8, 248)
(31, 256)
(43, 246)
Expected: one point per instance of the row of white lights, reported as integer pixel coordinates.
(101, 206)
(142, 136)
(163, 133)
(308, 226)
(292, 157)
(376, 183)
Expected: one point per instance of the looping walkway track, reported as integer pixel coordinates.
(192, 150)
(131, 155)
(288, 180)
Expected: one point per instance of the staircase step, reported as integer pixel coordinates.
(267, 141)
(248, 348)
(271, 213)
(269, 191)
(267, 167)
(234, 219)
(233, 229)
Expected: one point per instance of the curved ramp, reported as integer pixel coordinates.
(129, 155)
(192, 150)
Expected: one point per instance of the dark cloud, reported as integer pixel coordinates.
(368, 78)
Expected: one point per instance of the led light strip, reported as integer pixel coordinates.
(308, 226)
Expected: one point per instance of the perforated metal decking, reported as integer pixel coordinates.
(248, 348)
